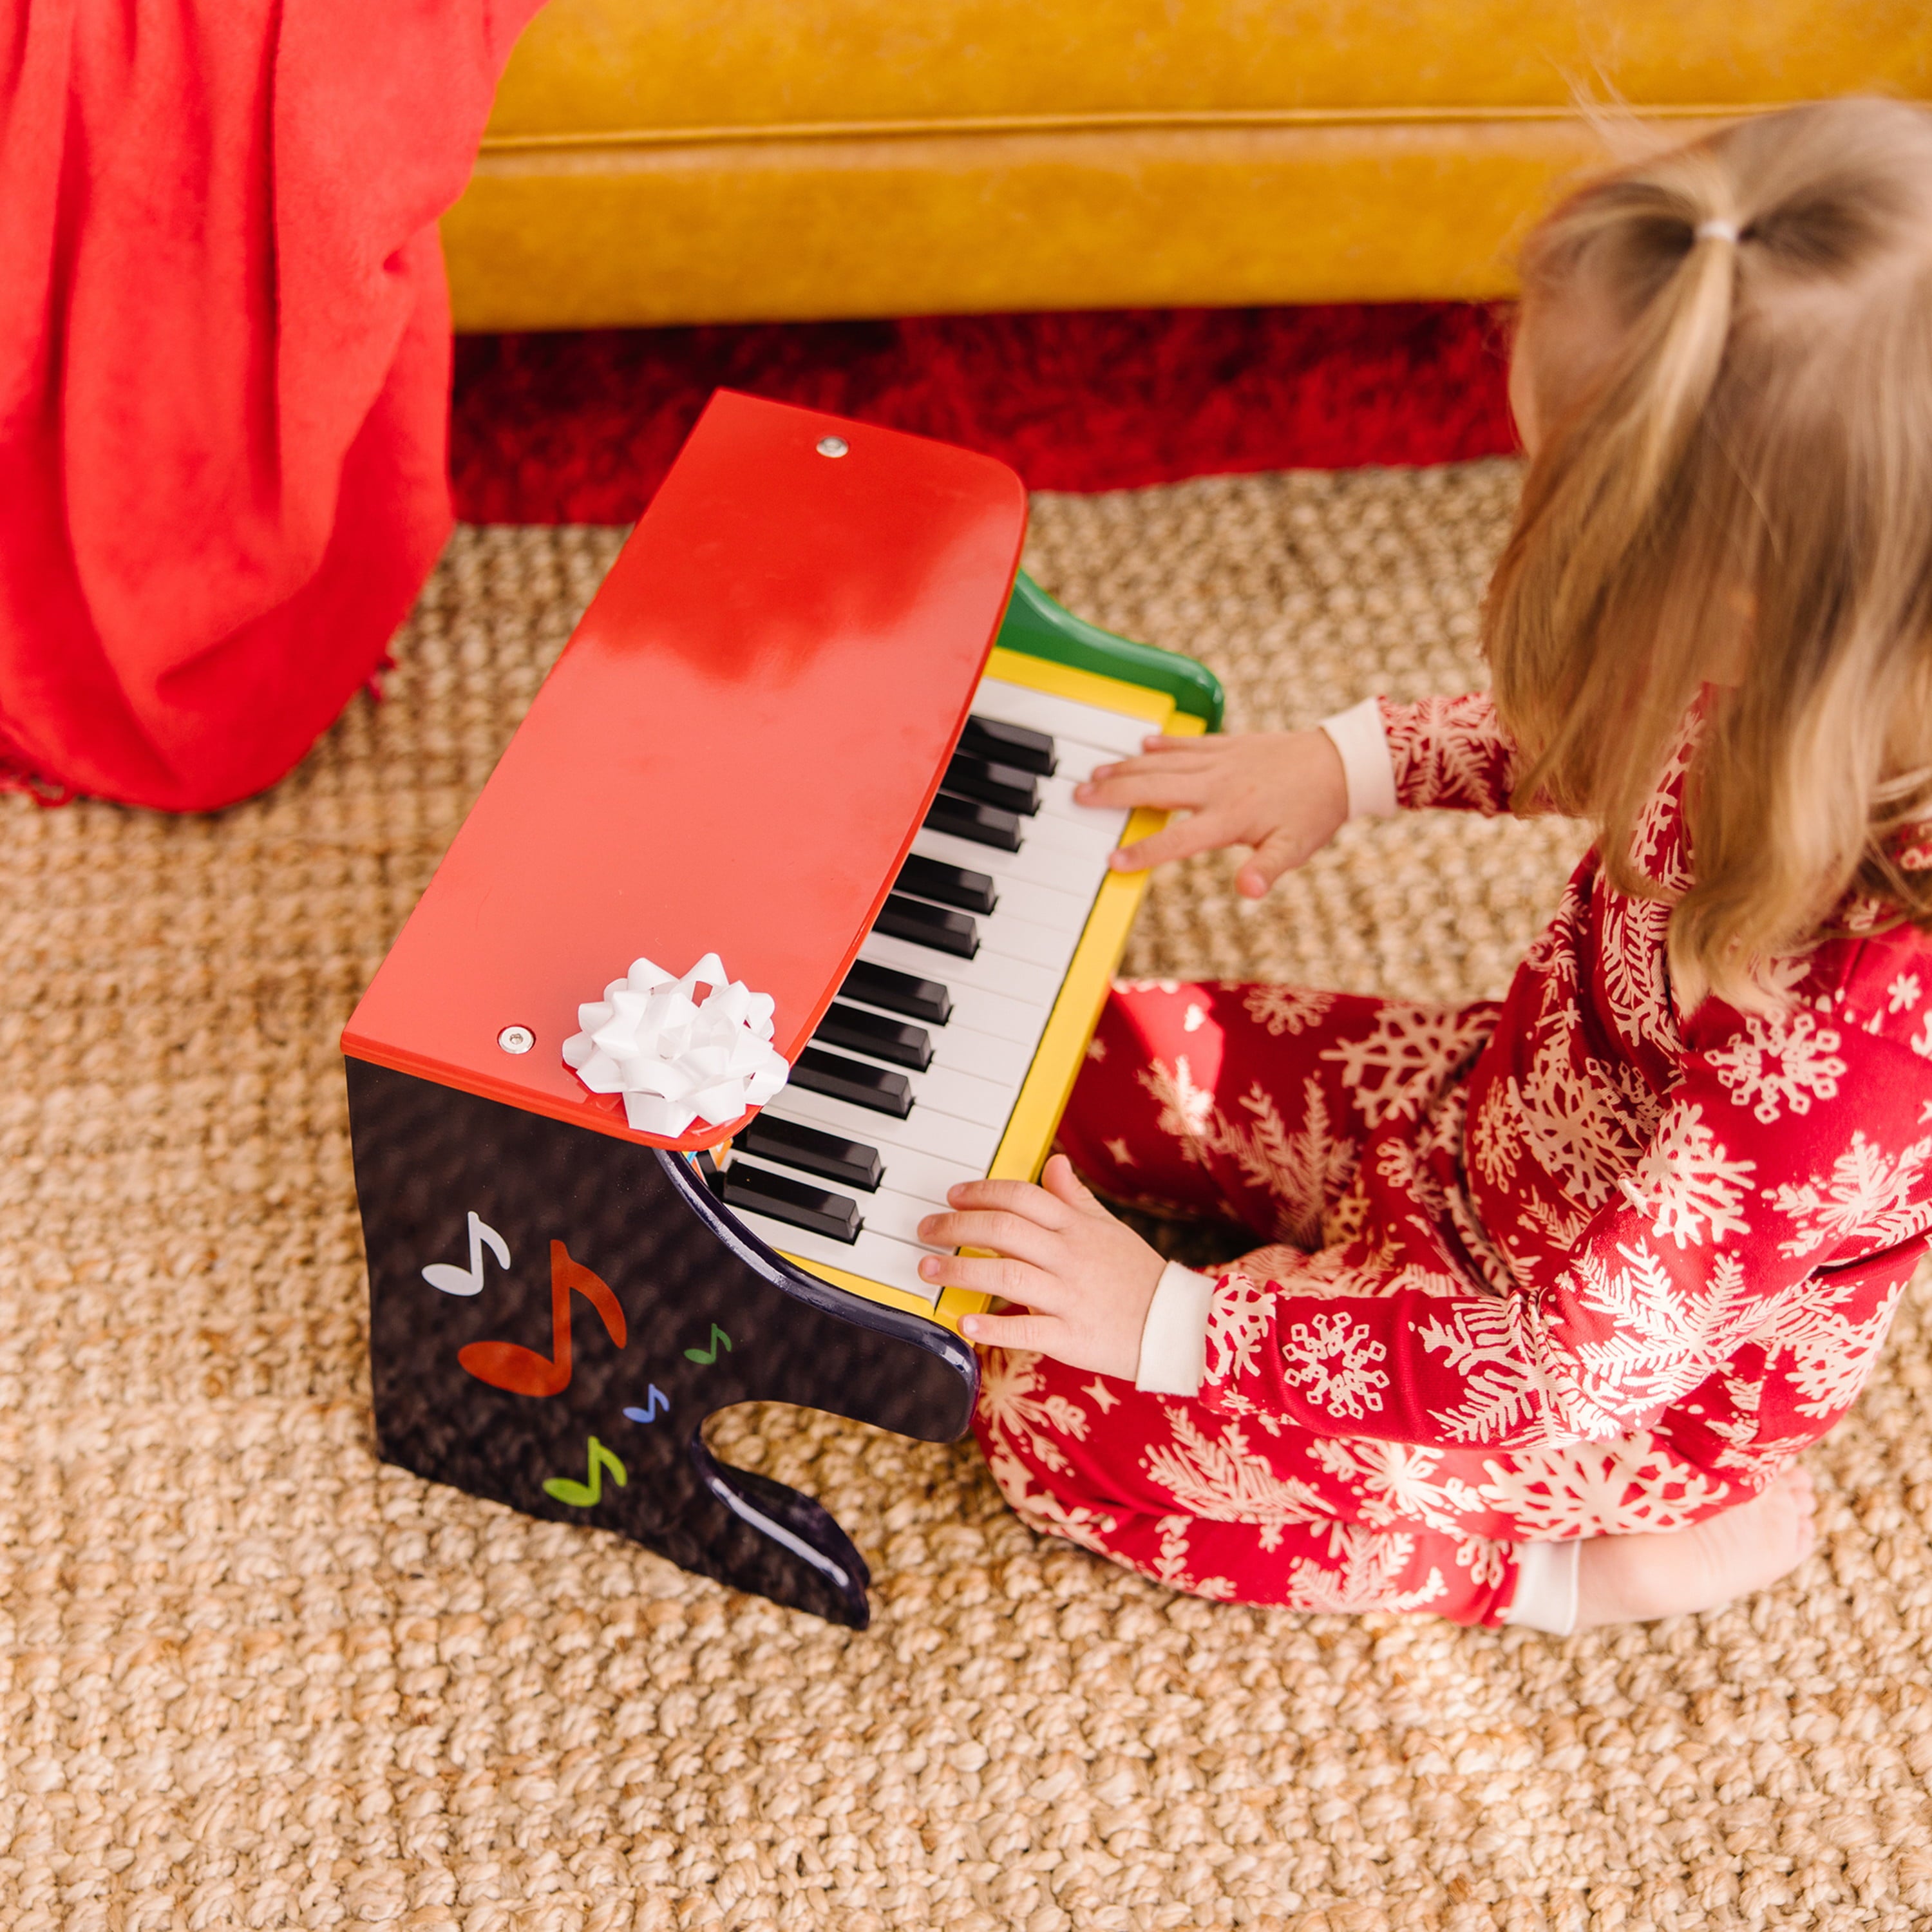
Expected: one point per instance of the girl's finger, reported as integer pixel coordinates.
(1193, 759)
(1061, 1181)
(1033, 1332)
(1011, 1234)
(1200, 833)
(1176, 790)
(1159, 742)
(1279, 852)
(1010, 1197)
(994, 1274)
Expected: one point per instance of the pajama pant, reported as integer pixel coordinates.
(1252, 1510)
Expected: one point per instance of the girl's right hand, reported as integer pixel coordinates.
(1283, 793)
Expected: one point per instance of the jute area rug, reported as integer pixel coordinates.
(250, 1677)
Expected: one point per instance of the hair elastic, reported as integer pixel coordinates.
(1716, 231)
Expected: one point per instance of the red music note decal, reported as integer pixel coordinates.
(505, 1365)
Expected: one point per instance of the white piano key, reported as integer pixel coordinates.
(1075, 763)
(1056, 801)
(1059, 717)
(923, 1177)
(968, 1097)
(887, 1211)
(1085, 840)
(993, 1058)
(1034, 986)
(876, 1257)
(925, 1130)
(1003, 1057)
(1036, 862)
(977, 1011)
(890, 1213)
(1016, 938)
(1064, 909)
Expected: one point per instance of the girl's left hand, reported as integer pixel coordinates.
(1086, 1278)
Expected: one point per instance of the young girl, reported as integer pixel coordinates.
(1555, 1291)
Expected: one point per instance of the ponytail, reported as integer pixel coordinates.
(1602, 497)
(1691, 515)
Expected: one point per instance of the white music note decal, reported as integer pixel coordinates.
(454, 1280)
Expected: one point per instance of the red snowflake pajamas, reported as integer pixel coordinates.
(1575, 1264)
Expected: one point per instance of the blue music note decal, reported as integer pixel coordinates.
(656, 1402)
(454, 1280)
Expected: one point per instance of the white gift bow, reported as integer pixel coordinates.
(674, 1058)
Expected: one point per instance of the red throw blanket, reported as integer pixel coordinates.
(224, 363)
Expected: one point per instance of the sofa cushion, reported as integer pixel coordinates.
(773, 159)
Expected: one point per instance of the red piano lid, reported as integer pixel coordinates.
(732, 755)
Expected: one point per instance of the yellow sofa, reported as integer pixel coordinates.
(665, 161)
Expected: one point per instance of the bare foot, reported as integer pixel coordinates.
(1622, 1579)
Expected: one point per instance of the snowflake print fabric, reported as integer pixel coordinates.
(1451, 752)
(1578, 1264)
(1784, 1062)
(1334, 1359)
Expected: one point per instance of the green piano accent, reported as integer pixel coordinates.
(1035, 624)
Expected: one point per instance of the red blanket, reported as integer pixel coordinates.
(224, 359)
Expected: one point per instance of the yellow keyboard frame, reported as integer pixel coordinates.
(1042, 1098)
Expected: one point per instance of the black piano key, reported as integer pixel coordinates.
(939, 927)
(786, 1143)
(791, 1201)
(877, 1087)
(967, 818)
(1009, 745)
(861, 1032)
(897, 992)
(1003, 785)
(950, 885)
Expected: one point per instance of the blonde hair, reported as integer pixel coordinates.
(1741, 478)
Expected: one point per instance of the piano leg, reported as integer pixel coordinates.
(574, 1383)
(793, 1522)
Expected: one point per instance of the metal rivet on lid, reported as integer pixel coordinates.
(832, 445)
(516, 1039)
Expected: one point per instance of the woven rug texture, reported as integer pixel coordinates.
(250, 1677)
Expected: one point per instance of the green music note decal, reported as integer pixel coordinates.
(582, 1496)
(708, 1356)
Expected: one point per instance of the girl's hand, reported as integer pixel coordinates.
(1283, 793)
(1087, 1278)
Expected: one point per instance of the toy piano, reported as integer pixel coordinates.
(813, 725)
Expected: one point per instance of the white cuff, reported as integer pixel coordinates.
(1174, 1338)
(1358, 734)
(1546, 1587)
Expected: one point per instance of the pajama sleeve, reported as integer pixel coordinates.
(1707, 1246)
(1362, 742)
(1451, 751)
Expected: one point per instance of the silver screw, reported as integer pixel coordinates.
(832, 445)
(516, 1039)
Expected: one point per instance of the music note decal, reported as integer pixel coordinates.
(708, 1356)
(507, 1365)
(454, 1280)
(582, 1496)
(655, 1402)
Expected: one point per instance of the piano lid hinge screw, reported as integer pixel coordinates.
(832, 445)
(516, 1039)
